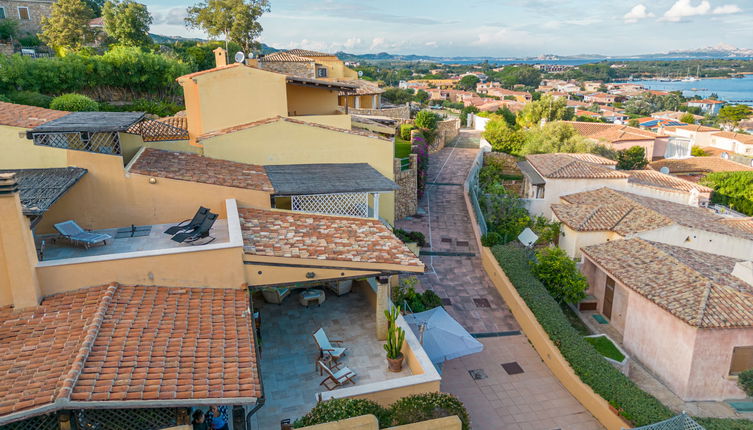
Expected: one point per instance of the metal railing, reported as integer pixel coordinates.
(474, 191)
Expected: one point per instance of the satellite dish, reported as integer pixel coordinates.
(751, 163)
(360, 73)
(240, 57)
(664, 170)
(528, 237)
(725, 156)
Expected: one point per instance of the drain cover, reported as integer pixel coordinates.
(446, 240)
(446, 302)
(512, 368)
(477, 374)
(482, 303)
(461, 243)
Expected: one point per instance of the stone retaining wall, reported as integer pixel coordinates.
(406, 202)
(401, 112)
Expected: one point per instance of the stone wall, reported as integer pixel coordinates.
(302, 70)
(37, 9)
(406, 202)
(400, 112)
(447, 130)
(6, 48)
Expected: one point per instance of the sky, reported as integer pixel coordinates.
(495, 28)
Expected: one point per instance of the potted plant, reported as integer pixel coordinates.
(395, 339)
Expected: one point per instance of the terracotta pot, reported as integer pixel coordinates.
(395, 364)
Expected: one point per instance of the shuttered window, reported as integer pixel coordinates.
(742, 359)
(23, 13)
(2, 12)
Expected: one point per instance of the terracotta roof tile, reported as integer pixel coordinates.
(204, 72)
(287, 119)
(179, 121)
(612, 132)
(593, 158)
(699, 164)
(692, 127)
(565, 166)
(284, 57)
(122, 342)
(322, 237)
(196, 168)
(363, 87)
(694, 286)
(743, 138)
(652, 178)
(307, 53)
(24, 116)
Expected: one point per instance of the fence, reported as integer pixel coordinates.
(680, 422)
(474, 190)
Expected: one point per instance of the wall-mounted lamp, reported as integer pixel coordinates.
(310, 275)
(152, 181)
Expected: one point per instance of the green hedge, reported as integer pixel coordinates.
(634, 404)
(340, 409)
(74, 103)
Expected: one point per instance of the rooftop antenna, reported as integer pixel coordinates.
(240, 57)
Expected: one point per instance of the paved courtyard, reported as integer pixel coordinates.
(533, 399)
(289, 353)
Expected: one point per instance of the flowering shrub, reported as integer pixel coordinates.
(340, 409)
(421, 149)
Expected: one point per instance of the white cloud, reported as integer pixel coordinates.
(727, 9)
(377, 43)
(173, 16)
(637, 13)
(352, 43)
(685, 8)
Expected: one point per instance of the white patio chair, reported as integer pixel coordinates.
(325, 345)
(336, 376)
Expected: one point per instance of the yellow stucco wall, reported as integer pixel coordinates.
(260, 274)
(289, 143)
(310, 101)
(131, 143)
(217, 268)
(337, 120)
(18, 152)
(369, 422)
(336, 68)
(232, 96)
(18, 280)
(107, 197)
(389, 396)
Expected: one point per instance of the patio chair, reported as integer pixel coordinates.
(336, 376)
(325, 345)
(188, 225)
(78, 236)
(201, 232)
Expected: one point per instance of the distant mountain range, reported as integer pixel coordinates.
(719, 51)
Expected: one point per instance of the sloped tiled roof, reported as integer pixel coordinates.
(322, 237)
(564, 166)
(307, 53)
(652, 213)
(178, 120)
(692, 127)
(127, 343)
(197, 168)
(39, 189)
(593, 158)
(15, 115)
(743, 138)
(694, 286)
(698, 164)
(744, 224)
(612, 132)
(363, 87)
(652, 178)
(274, 119)
(284, 57)
(620, 217)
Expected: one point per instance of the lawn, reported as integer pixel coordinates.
(606, 348)
(402, 148)
(576, 322)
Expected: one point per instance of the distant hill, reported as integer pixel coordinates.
(166, 40)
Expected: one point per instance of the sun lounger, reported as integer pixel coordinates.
(189, 225)
(72, 232)
(201, 232)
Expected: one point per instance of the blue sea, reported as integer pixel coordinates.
(736, 91)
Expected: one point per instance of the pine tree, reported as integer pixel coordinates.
(68, 25)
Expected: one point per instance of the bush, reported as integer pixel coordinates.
(491, 239)
(724, 423)
(560, 275)
(733, 189)
(427, 120)
(464, 114)
(340, 409)
(423, 407)
(405, 292)
(633, 158)
(410, 236)
(697, 151)
(74, 102)
(405, 130)
(8, 29)
(4, 98)
(502, 137)
(745, 381)
(30, 98)
(30, 41)
(634, 404)
(159, 108)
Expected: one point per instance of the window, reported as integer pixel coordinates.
(321, 72)
(742, 359)
(2, 12)
(23, 13)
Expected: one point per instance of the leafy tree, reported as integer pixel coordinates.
(548, 108)
(464, 114)
(633, 122)
(234, 20)
(421, 97)
(67, 27)
(633, 158)
(95, 6)
(426, 120)
(697, 151)
(733, 189)
(8, 29)
(502, 137)
(468, 82)
(508, 116)
(398, 96)
(687, 118)
(555, 137)
(733, 114)
(560, 275)
(512, 75)
(127, 22)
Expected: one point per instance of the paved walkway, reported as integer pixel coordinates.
(533, 399)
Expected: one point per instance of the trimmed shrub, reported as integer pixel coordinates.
(634, 404)
(491, 239)
(74, 102)
(745, 381)
(30, 98)
(560, 275)
(154, 107)
(340, 409)
(405, 130)
(410, 236)
(428, 406)
(427, 120)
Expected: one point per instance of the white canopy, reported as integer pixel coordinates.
(443, 337)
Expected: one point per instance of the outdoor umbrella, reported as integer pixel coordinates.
(443, 338)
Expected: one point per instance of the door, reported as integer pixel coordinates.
(608, 298)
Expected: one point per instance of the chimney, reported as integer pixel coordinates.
(18, 255)
(744, 271)
(220, 57)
